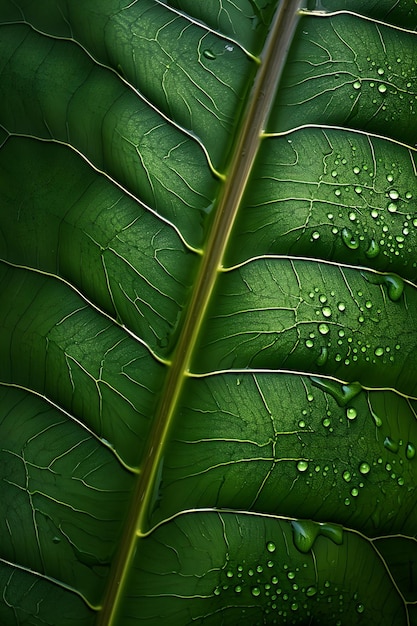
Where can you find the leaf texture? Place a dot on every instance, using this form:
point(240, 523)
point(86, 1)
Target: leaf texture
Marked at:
point(208, 336)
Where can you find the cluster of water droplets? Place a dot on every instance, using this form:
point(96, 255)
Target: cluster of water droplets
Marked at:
point(333, 340)
point(388, 87)
point(349, 477)
point(287, 592)
point(380, 222)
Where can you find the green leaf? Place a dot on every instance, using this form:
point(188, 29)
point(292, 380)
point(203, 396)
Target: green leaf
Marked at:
point(208, 340)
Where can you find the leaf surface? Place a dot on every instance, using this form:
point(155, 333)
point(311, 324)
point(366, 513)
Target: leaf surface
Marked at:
point(208, 312)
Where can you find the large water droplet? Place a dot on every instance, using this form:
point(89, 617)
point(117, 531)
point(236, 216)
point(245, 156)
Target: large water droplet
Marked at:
point(349, 240)
point(373, 250)
point(270, 546)
point(391, 445)
point(323, 356)
point(364, 468)
point(410, 451)
point(351, 413)
point(255, 591)
point(302, 466)
point(393, 283)
point(341, 393)
point(209, 55)
point(311, 591)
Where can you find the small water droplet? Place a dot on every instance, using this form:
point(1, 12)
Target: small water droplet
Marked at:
point(379, 351)
point(255, 591)
point(393, 194)
point(354, 492)
point(323, 329)
point(327, 312)
point(356, 84)
point(382, 88)
point(360, 608)
point(347, 476)
point(270, 546)
point(238, 589)
point(364, 468)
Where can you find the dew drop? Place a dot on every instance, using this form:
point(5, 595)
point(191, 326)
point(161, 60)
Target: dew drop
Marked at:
point(382, 88)
point(392, 207)
point(255, 591)
point(326, 310)
point(323, 356)
point(349, 239)
point(270, 546)
point(373, 250)
point(393, 194)
point(341, 306)
point(323, 329)
point(354, 492)
point(356, 84)
point(379, 351)
point(347, 476)
point(209, 55)
point(410, 451)
point(302, 466)
point(364, 468)
point(238, 589)
point(360, 608)
point(351, 413)
point(311, 591)
point(391, 445)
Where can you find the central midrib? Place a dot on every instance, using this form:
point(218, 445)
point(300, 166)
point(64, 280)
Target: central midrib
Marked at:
point(273, 58)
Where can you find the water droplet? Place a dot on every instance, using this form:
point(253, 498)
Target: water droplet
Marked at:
point(238, 589)
point(393, 284)
point(341, 393)
point(393, 194)
point(410, 451)
point(347, 476)
point(270, 546)
point(315, 235)
point(327, 312)
point(349, 240)
point(323, 356)
point(360, 608)
point(229, 574)
point(354, 492)
point(309, 343)
point(209, 55)
point(379, 351)
point(373, 250)
point(56, 539)
point(391, 445)
point(356, 84)
point(382, 88)
point(341, 306)
point(311, 591)
point(302, 466)
point(351, 413)
point(217, 591)
point(326, 422)
point(323, 329)
point(364, 468)
point(255, 591)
